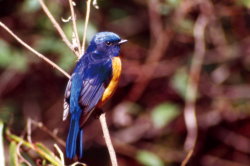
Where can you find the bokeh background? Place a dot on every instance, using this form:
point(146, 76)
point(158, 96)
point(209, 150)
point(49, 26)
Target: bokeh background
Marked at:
point(146, 114)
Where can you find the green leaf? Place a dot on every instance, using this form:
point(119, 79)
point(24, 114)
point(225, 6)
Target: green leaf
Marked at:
point(185, 26)
point(2, 161)
point(13, 154)
point(30, 6)
point(66, 58)
point(28, 158)
point(173, 3)
point(148, 158)
point(179, 81)
point(164, 113)
point(245, 3)
point(5, 54)
point(19, 62)
point(11, 57)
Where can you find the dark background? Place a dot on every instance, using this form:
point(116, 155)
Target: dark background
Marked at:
point(145, 116)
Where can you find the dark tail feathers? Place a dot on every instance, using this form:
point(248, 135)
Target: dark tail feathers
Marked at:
point(74, 141)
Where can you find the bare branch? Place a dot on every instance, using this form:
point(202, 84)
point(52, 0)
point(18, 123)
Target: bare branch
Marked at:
point(75, 28)
point(46, 130)
point(193, 80)
point(34, 51)
point(108, 140)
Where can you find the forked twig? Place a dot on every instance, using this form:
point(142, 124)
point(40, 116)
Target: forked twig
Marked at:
point(86, 25)
point(73, 18)
point(34, 51)
point(108, 140)
point(60, 153)
point(46, 130)
point(57, 26)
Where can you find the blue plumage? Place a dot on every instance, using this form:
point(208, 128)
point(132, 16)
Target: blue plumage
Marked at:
point(88, 82)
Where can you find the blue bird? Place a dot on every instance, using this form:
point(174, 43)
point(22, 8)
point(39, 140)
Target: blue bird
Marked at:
point(92, 83)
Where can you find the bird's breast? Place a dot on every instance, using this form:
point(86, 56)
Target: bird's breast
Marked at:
point(116, 73)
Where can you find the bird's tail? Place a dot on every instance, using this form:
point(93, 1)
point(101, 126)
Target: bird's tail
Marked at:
point(74, 143)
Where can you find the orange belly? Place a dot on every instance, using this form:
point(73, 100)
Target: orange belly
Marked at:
point(116, 73)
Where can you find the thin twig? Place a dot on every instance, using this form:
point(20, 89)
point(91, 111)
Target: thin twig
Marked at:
point(193, 80)
point(20, 155)
point(34, 51)
point(78, 164)
point(73, 16)
point(60, 154)
point(187, 158)
point(108, 140)
point(46, 130)
point(86, 25)
point(29, 130)
point(57, 26)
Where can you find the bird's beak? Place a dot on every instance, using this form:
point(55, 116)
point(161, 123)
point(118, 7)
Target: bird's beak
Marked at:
point(122, 41)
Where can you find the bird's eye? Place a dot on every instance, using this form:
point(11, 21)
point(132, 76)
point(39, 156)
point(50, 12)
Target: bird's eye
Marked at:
point(108, 43)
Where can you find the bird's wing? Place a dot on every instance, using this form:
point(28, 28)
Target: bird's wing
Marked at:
point(93, 87)
point(66, 100)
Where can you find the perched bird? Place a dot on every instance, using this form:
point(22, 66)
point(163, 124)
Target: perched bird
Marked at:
point(92, 83)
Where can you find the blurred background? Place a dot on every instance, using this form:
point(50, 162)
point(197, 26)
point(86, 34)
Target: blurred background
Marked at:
point(175, 46)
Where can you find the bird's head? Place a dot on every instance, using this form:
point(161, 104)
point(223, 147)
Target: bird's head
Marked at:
point(107, 43)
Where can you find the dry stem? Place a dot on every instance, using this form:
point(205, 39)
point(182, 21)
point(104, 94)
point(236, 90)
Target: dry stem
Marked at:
point(108, 140)
point(75, 28)
point(46, 130)
point(192, 86)
point(34, 51)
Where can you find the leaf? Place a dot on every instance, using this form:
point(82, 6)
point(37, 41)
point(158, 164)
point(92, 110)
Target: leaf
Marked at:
point(28, 158)
point(48, 154)
point(66, 59)
point(13, 154)
point(185, 26)
point(12, 57)
point(149, 159)
point(164, 113)
point(179, 81)
point(173, 3)
point(5, 54)
point(2, 161)
point(245, 3)
point(44, 152)
point(30, 6)
point(19, 62)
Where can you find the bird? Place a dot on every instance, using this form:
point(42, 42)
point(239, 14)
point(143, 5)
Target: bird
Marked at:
point(93, 81)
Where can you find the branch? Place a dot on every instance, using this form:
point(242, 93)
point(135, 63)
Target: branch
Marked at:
point(46, 130)
point(34, 51)
point(192, 85)
point(108, 140)
point(86, 25)
point(57, 26)
point(75, 27)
